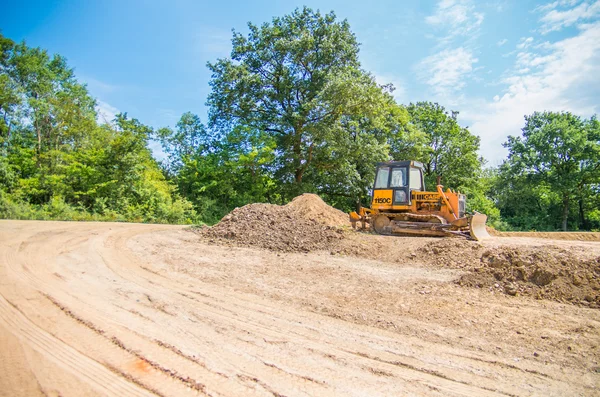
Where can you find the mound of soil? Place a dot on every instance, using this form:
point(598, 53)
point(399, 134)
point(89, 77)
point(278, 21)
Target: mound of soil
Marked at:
point(306, 224)
point(310, 206)
point(542, 272)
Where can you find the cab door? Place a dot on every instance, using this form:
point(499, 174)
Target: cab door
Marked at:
point(399, 185)
point(391, 188)
point(382, 194)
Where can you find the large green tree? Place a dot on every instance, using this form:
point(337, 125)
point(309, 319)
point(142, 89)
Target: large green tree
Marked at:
point(219, 172)
point(299, 80)
point(347, 170)
point(189, 137)
point(56, 161)
point(557, 161)
point(446, 149)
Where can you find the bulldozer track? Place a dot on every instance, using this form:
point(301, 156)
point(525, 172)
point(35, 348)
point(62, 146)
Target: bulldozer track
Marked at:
point(419, 217)
point(410, 224)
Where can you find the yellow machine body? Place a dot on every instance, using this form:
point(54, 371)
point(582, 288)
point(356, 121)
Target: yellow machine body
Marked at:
point(401, 205)
point(444, 204)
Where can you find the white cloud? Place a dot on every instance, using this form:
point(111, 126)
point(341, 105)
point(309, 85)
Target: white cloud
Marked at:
point(446, 71)
point(564, 77)
point(97, 86)
point(530, 60)
point(524, 42)
point(555, 4)
point(448, 11)
point(169, 116)
point(556, 17)
point(399, 90)
point(106, 112)
point(502, 42)
point(214, 42)
point(457, 17)
point(500, 6)
point(157, 150)
point(458, 24)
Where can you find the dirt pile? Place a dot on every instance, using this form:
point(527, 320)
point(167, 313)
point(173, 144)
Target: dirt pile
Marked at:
point(456, 253)
point(304, 225)
point(310, 206)
point(544, 272)
point(558, 271)
point(568, 275)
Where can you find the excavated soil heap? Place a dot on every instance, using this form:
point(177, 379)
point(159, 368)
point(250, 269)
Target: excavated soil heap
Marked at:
point(310, 206)
point(542, 272)
point(305, 224)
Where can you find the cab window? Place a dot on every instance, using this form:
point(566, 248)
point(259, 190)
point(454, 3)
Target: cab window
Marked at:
point(381, 181)
point(415, 179)
point(398, 177)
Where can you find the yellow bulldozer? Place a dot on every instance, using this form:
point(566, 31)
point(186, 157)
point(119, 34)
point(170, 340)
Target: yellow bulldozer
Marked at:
point(400, 205)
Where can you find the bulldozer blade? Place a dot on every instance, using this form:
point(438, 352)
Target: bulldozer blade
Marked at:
point(477, 227)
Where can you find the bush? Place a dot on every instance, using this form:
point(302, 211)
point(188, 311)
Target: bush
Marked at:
point(10, 209)
point(178, 212)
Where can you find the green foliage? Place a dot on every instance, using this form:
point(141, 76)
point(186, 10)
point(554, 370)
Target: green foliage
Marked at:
point(481, 198)
point(299, 81)
point(292, 111)
point(221, 174)
point(189, 138)
point(552, 168)
point(446, 149)
point(56, 162)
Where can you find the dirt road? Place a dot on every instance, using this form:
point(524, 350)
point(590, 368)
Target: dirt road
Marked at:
point(129, 309)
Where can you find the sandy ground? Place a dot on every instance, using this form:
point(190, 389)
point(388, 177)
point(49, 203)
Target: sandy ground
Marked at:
point(129, 309)
point(581, 236)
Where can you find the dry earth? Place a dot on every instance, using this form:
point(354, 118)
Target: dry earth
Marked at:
point(581, 236)
point(130, 309)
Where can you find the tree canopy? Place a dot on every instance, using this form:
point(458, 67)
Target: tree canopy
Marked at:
point(449, 152)
point(56, 161)
point(556, 163)
point(299, 80)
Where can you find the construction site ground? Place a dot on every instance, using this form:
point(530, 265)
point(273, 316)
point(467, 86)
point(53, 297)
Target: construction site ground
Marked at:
point(134, 309)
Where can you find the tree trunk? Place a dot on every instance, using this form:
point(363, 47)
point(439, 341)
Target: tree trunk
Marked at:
point(39, 139)
point(299, 171)
point(298, 175)
point(565, 214)
point(36, 124)
point(582, 221)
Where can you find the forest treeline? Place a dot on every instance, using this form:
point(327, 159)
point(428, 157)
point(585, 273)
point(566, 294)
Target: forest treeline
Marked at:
point(290, 111)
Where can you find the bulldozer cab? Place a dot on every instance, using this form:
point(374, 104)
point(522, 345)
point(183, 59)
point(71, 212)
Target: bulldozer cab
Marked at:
point(394, 182)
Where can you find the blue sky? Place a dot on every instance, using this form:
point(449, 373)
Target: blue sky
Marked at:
point(494, 61)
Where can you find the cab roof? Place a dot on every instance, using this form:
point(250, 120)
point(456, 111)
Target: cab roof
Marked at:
point(403, 163)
